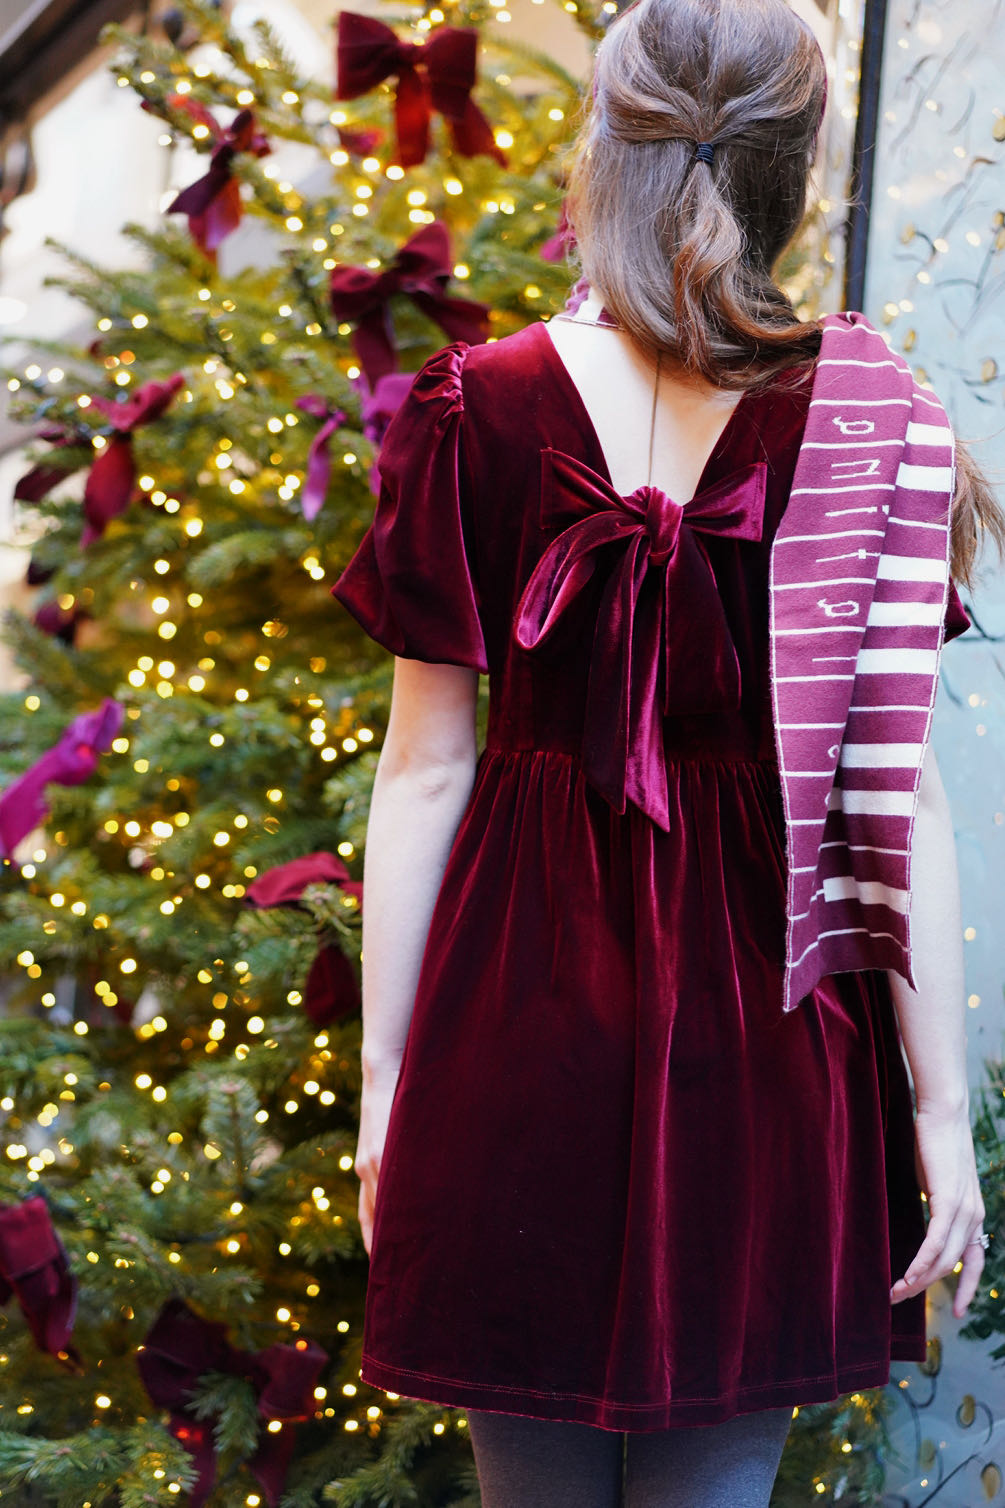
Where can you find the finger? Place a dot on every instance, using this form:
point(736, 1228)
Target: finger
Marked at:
point(923, 1272)
point(928, 1253)
point(960, 1231)
point(970, 1276)
point(365, 1219)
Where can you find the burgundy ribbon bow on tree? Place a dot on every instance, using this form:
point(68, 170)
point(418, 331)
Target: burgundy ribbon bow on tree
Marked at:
point(661, 640)
point(50, 617)
point(421, 270)
point(438, 74)
point(69, 762)
point(59, 622)
point(181, 1347)
point(44, 476)
point(193, 108)
point(332, 990)
point(359, 143)
point(315, 488)
point(109, 486)
point(34, 1266)
point(213, 202)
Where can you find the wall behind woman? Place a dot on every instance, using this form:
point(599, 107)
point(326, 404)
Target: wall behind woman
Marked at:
point(936, 284)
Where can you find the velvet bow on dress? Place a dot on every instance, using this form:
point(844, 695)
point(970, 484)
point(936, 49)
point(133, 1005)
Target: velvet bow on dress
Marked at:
point(661, 641)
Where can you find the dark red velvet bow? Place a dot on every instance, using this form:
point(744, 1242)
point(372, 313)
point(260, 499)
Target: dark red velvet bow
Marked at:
point(421, 270)
point(315, 488)
point(59, 622)
point(34, 1266)
point(436, 75)
point(359, 143)
point(38, 574)
point(109, 485)
point(332, 990)
point(69, 762)
point(213, 202)
point(661, 642)
point(286, 883)
point(181, 1347)
point(44, 476)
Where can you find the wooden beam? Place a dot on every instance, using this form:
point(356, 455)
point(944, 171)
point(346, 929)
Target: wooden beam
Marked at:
point(864, 157)
point(45, 41)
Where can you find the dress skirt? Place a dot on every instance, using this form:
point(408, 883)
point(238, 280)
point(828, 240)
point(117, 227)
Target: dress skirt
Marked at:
point(620, 1185)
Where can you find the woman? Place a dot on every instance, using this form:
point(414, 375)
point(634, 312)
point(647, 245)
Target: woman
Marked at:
point(637, 1152)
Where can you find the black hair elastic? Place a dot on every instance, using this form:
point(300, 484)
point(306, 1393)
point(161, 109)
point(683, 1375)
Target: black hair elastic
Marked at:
point(705, 152)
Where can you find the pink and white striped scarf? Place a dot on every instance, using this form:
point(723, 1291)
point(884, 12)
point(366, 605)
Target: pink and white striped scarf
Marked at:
point(859, 587)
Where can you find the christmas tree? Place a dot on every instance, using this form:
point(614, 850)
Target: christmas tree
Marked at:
point(187, 767)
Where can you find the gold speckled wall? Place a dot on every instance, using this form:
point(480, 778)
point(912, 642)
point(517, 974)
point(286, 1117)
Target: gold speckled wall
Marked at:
point(936, 285)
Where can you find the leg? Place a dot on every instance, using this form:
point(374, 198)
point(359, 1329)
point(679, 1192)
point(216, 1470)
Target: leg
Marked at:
point(728, 1465)
point(545, 1463)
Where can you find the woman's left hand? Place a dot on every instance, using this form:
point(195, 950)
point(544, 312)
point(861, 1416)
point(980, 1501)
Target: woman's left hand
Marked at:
point(374, 1114)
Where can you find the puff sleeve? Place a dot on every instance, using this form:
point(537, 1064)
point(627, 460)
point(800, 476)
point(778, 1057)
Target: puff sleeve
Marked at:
point(411, 583)
point(956, 621)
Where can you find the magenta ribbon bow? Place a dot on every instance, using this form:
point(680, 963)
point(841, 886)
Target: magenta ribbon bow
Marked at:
point(181, 1347)
point(109, 485)
point(661, 642)
point(558, 246)
point(34, 1266)
point(436, 75)
point(421, 270)
point(213, 202)
point(377, 408)
point(315, 488)
point(69, 762)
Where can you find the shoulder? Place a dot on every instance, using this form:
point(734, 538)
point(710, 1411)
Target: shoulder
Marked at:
point(513, 359)
point(439, 381)
point(451, 373)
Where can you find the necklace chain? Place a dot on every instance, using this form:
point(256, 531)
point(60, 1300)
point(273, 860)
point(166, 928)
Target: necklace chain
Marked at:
point(652, 421)
point(603, 324)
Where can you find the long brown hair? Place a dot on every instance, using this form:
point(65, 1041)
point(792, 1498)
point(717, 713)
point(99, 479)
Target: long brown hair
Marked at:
point(681, 245)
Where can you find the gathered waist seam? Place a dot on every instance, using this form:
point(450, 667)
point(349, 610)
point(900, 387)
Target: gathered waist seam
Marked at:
point(499, 752)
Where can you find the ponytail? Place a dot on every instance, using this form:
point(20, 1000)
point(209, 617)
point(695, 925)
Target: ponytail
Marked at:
point(682, 243)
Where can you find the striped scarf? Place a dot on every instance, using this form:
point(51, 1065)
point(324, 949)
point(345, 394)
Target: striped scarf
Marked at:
point(859, 587)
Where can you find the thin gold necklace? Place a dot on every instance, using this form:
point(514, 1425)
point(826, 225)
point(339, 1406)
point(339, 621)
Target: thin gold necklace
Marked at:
point(602, 324)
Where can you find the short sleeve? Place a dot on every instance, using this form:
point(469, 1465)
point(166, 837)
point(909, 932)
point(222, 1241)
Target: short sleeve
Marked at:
point(411, 583)
point(956, 621)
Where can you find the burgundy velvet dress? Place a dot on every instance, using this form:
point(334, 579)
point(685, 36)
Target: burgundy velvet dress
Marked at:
point(619, 1185)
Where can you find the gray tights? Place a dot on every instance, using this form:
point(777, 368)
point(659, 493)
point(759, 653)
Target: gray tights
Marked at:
point(544, 1463)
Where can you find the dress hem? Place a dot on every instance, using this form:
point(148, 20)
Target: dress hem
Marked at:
point(454, 1392)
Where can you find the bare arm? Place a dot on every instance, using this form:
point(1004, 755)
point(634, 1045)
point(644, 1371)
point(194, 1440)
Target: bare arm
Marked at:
point(932, 1018)
point(422, 785)
point(933, 1027)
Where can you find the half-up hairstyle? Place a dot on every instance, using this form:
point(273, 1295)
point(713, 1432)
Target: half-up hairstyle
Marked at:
point(682, 247)
point(689, 178)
